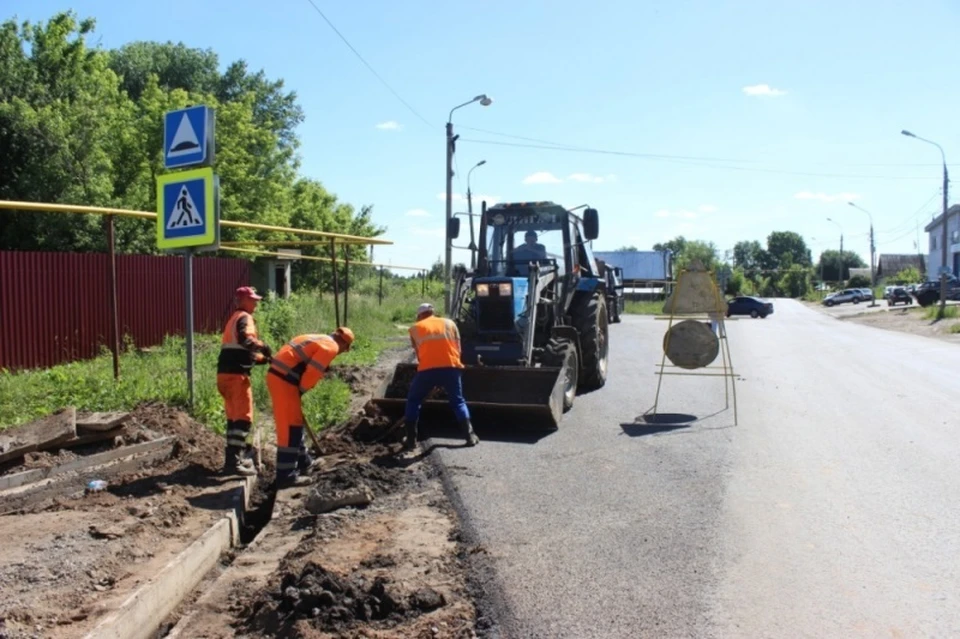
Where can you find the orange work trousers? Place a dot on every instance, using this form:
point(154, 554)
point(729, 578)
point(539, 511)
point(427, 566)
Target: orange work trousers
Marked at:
point(287, 409)
point(237, 396)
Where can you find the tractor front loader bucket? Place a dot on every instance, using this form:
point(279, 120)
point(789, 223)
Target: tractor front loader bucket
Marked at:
point(496, 395)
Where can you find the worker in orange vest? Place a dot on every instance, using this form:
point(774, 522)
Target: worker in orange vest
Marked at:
point(240, 351)
point(436, 341)
point(296, 368)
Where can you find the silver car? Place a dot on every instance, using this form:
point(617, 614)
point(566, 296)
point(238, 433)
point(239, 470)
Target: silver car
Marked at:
point(854, 295)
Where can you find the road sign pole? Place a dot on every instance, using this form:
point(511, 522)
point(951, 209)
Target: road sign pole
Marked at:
point(188, 304)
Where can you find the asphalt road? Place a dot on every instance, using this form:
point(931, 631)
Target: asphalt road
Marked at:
point(831, 510)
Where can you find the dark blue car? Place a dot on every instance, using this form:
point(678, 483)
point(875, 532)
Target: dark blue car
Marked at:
point(752, 306)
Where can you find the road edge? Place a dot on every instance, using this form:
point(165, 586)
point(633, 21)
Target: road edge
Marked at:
point(483, 584)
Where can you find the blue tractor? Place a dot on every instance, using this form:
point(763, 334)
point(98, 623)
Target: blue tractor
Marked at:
point(532, 317)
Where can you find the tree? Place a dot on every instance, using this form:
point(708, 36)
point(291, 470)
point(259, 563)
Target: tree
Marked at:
point(748, 255)
point(786, 248)
point(908, 275)
point(630, 248)
point(795, 282)
point(830, 264)
point(676, 245)
point(698, 251)
point(79, 124)
point(858, 281)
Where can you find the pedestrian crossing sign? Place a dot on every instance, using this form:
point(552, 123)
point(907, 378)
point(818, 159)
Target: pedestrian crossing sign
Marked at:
point(187, 211)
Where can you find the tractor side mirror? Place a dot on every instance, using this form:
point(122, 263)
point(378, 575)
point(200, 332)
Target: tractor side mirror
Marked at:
point(453, 228)
point(591, 224)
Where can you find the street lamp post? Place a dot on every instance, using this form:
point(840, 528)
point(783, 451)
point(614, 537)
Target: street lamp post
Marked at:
point(943, 249)
point(840, 262)
point(473, 244)
point(448, 249)
point(873, 275)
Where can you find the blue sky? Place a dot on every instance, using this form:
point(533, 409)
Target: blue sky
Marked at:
point(772, 115)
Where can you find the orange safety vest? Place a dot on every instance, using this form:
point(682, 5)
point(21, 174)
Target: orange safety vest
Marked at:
point(234, 356)
point(303, 360)
point(437, 342)
point(230, 337)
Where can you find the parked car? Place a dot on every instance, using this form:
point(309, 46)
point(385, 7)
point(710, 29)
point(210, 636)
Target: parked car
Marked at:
point(752, 306)
point(847, 295)
point(929, 292)
point(867, 293)
point(897, 295)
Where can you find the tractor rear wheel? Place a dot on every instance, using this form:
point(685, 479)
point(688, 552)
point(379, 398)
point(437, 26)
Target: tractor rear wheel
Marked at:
point(590, 319)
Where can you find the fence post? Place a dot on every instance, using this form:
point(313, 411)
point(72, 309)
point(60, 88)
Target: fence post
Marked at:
point(114, 319)
point(380, 293)
point(336, 282)
point(346, 283)
point(423, 282)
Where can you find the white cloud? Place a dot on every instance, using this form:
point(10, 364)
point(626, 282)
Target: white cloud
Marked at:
point(417, 213)
point(763, 90)
point(389, 125)
point(827, 197)
point(542, 177)
point(707, 208)
point(594, 179)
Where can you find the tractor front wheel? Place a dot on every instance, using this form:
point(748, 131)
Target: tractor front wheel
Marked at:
point(590, 320)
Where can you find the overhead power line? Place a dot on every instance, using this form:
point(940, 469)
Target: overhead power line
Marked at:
point(693, 161)
point(367, 64)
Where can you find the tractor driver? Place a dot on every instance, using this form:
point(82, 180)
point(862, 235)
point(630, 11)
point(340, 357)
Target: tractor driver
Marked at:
point(530, 250)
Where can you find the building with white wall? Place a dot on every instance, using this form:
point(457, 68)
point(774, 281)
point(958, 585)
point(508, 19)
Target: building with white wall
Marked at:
point(935, 238)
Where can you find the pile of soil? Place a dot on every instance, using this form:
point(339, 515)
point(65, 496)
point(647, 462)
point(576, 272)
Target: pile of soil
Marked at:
point(332, 603)
point(379, 477)
point(196, 444)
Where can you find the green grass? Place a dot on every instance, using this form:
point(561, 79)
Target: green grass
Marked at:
point(643, 308)
point(933, 312)
point(157, 374)
point(955, 328)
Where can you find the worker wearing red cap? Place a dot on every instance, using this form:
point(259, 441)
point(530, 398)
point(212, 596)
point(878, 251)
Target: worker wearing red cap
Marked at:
point(296, 368)
point(240, 351)
point(436, 342)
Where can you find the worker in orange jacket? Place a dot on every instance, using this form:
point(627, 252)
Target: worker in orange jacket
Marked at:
point(436, 341)
point(296, 368)
point(240, 351)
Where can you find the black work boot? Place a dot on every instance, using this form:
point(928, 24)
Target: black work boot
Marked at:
point(410, 442)
point(469, 437)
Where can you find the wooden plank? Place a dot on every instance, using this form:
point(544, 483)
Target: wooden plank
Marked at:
point(23, 496)
point(92, 438)
point(38, 474)
point(99, 422)
point(38, 435)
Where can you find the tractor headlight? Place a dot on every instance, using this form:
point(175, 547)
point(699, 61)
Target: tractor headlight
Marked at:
point(506, 288)
point(483, 290)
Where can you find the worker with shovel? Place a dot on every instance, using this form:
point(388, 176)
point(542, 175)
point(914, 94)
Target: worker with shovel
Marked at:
point(296, 368)
point(436, 341)
point(240, 351)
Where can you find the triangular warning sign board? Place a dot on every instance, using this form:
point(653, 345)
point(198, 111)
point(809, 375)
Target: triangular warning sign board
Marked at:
point(185, 214)
point(184, 140)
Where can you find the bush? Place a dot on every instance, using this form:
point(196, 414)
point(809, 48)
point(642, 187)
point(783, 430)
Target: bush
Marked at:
point(858, 281)
point(909, 275)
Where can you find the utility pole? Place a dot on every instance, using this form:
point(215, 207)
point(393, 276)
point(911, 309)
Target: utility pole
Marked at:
point(873, 276)
point(944, 255)
point(448, 246)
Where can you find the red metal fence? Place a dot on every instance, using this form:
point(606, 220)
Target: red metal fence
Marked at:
point(55, 307)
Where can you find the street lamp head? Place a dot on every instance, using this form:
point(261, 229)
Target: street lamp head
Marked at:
point(481, 162)
point(483, 100)
point(852, 204)
point(907, 133)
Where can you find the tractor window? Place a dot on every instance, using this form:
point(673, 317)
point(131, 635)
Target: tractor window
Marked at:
point(511, 248)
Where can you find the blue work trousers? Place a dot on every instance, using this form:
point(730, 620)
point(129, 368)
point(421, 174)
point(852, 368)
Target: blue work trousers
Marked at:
point(447, 378)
